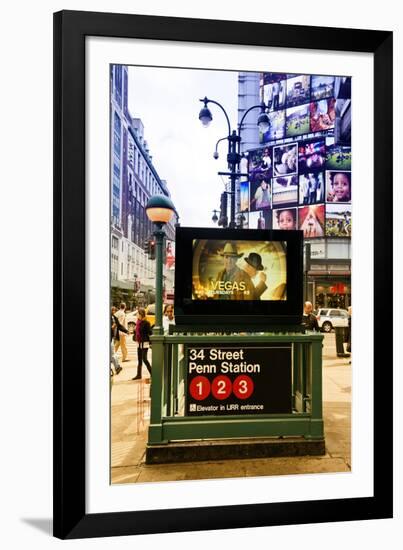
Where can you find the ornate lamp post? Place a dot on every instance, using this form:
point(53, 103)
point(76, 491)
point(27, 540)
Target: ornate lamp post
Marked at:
point(160, 210)
point(234, 143)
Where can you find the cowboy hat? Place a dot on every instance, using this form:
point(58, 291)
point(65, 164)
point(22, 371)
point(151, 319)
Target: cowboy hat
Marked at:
point(230, 250)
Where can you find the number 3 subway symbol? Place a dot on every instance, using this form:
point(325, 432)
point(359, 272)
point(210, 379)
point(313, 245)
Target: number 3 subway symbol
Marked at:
point(243, 386)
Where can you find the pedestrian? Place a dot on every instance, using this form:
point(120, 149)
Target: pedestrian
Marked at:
point(142, 337)
point(309, 321)
point(168, 318)
point(121, 340)
point(116, 330)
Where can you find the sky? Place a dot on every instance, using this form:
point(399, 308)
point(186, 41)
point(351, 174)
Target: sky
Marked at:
point(167, 102)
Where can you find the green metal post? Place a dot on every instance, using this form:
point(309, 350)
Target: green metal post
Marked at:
point(316, 431)
point(159, 239)
point(155, 430)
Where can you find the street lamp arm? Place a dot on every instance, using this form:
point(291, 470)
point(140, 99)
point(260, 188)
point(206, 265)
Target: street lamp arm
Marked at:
point(207, 100)
point(261, 106)
point(216, 145)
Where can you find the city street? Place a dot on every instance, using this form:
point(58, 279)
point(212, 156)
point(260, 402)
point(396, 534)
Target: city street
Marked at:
point(130, 406)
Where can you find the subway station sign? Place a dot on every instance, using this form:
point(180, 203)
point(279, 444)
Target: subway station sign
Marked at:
point(238, 380)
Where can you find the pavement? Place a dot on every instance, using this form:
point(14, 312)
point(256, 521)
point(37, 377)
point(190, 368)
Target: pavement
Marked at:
point(130, 413)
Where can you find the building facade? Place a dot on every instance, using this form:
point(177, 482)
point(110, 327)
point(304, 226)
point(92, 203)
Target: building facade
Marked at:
point(310, 117)
point(133, 181)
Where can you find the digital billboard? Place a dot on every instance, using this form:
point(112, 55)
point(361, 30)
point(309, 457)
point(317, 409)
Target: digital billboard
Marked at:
point(239, 270)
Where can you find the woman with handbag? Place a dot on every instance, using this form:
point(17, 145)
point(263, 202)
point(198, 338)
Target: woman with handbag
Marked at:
point(142, 337)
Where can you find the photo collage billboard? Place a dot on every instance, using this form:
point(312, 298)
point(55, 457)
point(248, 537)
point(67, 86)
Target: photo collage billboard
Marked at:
point(300, 178)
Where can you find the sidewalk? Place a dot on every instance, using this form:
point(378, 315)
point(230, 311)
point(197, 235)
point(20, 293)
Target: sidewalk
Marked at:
point(129, 424)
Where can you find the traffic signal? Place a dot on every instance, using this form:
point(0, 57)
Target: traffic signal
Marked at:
point(152, 250)
point(146, 246)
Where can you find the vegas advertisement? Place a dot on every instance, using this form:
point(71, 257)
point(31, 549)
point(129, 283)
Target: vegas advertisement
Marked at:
point(239, 270)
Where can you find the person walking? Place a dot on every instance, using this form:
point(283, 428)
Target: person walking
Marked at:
point(142, 337)
point(120, 341)
point(116, 330)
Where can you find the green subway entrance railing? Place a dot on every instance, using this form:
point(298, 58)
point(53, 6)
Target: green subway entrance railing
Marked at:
point(170, 419)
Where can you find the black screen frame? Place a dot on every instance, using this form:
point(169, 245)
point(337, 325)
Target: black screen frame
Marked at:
point(250, 313)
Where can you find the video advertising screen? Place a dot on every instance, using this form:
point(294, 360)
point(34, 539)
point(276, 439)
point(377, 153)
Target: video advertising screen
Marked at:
point(239, 270)
point(232, 276)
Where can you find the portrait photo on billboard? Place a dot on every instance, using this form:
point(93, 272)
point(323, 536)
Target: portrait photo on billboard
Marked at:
point(338, 157)
point(285, 191)
point(322, 87)
point(322, 114)
point(297, 120)
point(298, 89)
point(311, 220)
point(338, 220)
point(338, 186)
point(239, 270)
point(260, 193)
point(311, 155)
point(311, 188)
point(274, 90)
point(285, 218)
point(285, 159)
point(260, 164)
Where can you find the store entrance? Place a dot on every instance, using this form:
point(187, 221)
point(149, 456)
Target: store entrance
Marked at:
point(335, 295)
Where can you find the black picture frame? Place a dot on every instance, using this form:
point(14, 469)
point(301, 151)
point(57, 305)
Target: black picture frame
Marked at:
point(70, 517)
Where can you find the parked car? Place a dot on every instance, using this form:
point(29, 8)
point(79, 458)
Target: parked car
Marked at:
point(328, 318)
